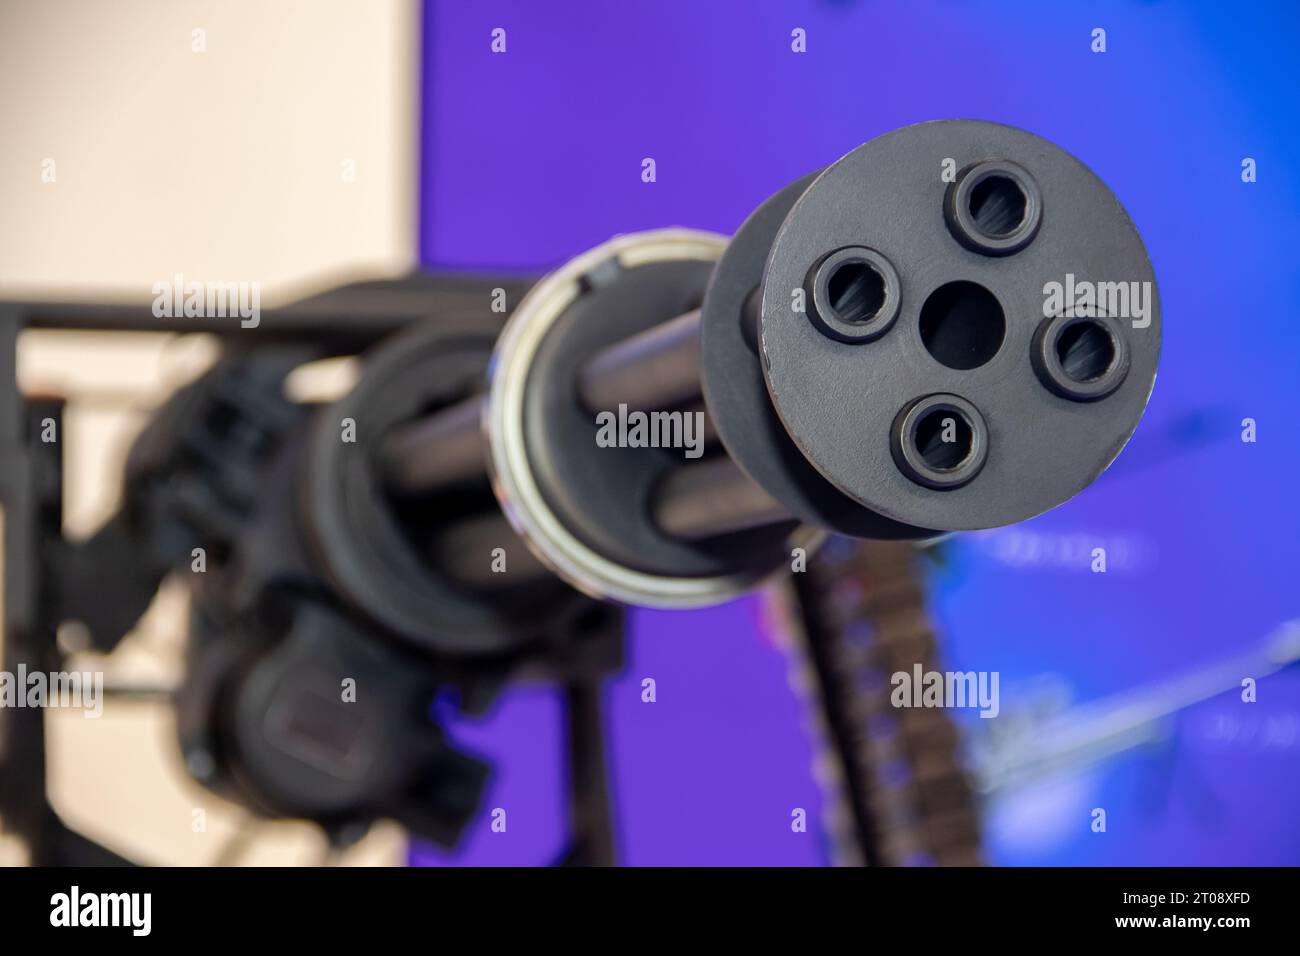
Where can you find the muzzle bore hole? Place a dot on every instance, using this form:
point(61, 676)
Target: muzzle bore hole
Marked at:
point(994, 208)
point(856, 290)
point(944, 439)
point(962, 325)
point(1086, 351)
point(940, 441)
point(997, 205)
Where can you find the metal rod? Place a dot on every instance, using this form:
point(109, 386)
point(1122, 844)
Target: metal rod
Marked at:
point(438, 451)
point(465, 547)
point(657, 369)
point(695, 502)
point(589, 810)
point(712, 498)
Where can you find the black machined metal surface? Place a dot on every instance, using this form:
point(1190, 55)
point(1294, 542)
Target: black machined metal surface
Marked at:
point(910, 451)
point(712, 498)
point(841, 401)
point(372, 553)
point(660, 368)
point(737, 396)
point(604, 495)
point(454, 546)
point(655, 369)
point(436, 451)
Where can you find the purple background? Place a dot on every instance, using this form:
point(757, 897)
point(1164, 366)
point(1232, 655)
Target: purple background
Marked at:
point(533, 156)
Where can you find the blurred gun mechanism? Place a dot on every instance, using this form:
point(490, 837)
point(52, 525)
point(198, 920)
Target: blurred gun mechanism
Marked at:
point(870, 356)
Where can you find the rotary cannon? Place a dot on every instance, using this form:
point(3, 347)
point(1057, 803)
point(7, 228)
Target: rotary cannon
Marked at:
point(873, 354)
point(884, 350)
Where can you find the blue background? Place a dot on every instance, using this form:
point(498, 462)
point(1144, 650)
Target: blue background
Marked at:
point(533, 156)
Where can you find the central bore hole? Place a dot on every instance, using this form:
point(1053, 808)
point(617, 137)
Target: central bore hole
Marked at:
point(944, 438)
point(856, 291)
point(1086, 351)
point(962, 325)
point(997, 204)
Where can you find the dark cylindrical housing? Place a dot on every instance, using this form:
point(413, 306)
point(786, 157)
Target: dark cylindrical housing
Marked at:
point(656, 369)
